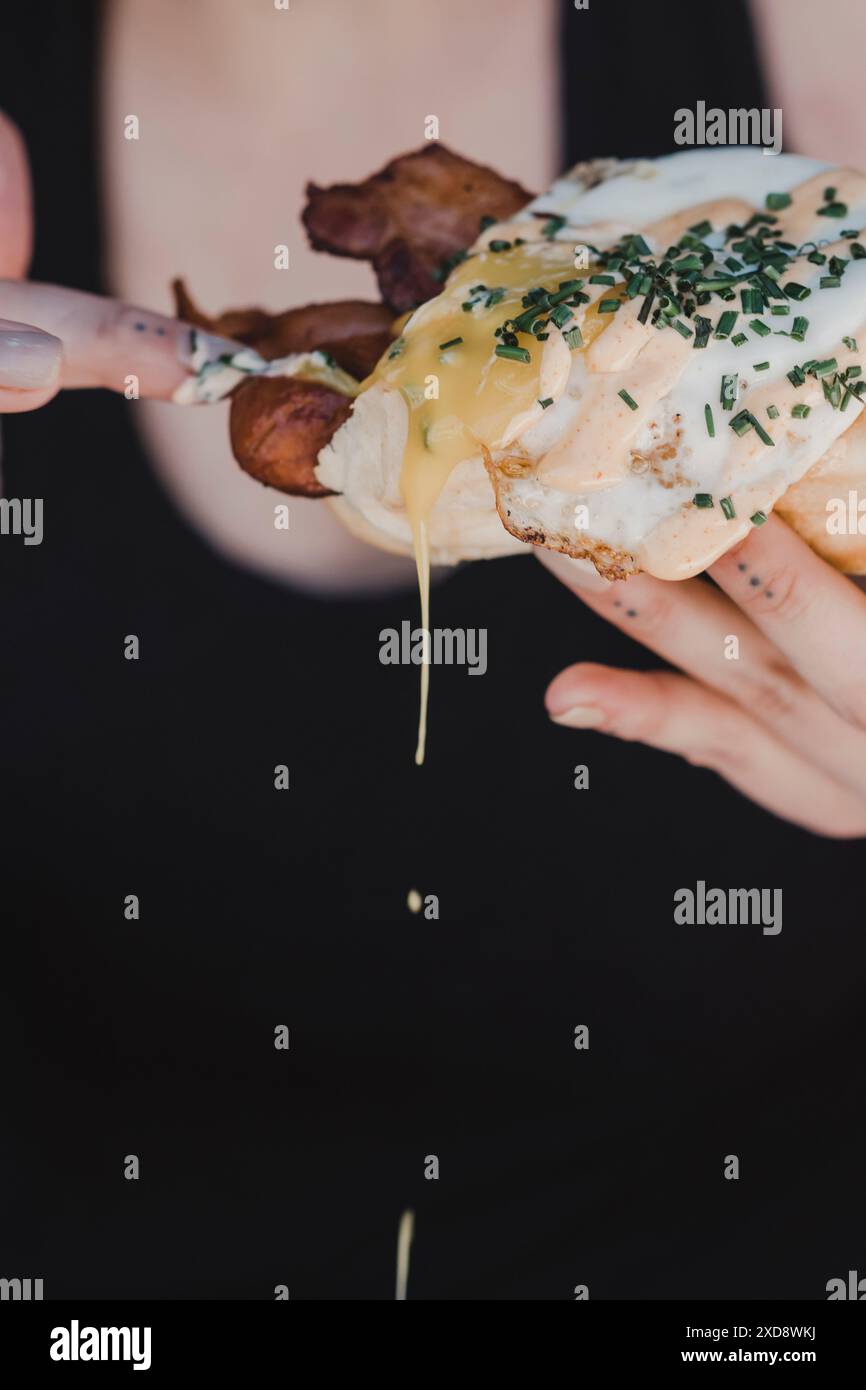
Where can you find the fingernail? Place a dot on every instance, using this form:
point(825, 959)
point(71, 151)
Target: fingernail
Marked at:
point(579, 717)
point(29, 359)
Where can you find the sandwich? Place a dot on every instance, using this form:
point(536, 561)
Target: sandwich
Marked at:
point(633, 368)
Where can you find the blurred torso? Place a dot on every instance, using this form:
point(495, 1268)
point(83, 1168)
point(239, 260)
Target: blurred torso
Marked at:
point(238, 107)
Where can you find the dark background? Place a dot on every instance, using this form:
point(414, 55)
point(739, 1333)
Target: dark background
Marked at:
point(258, 908)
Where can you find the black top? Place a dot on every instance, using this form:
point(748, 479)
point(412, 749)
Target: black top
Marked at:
point(409, 1037)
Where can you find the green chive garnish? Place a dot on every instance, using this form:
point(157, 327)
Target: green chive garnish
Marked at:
point(760, 328)
point(514, 354)
point(739, 338)
point(773, 412)
point(608, 306)
point(829, 282)
point(850, 343)
point(833, 210)
point(711, 427)
point(727, 507)
point(574, 338)
point(624, 396)
point(499, 245)
point(452, 342)
point(548, 400)
point(703, 499)
point(555, 225)
point(760, 366)
point(758, 518)
point(776, 201)
point(795, 291)
point(800, 412)
point(726, 323)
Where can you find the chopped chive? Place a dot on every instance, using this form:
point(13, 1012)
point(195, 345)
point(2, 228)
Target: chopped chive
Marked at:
point(752, 301)
point(742, 422)
point(796, 291)
point(548, 400)
point(574, 338)
point(832, 209)
point(486, 221)
point(760, 366)
point(624, 396)
point(452, 342)
point(602, 280)
point(711, 426)
point(702, 229)
point(798, 328)
point(817, 258)
point(703, 328)
point(800, 411)
point(681, 328)
point(829, 282)
point(828, 365)
point(717, 284)
point(703, 499)
point(561, 314)
point(726, 323)
point(396, 348)
point(776, 201)
point(758, 518)
point(554, 225)
point(514, 354)
point(762, 433)
point(607, 306)
point(773, 412)
point(857, 251)
point(760, 328)
point(739, 338)
point(498, 245)
point(780, 309)
point(727, 507)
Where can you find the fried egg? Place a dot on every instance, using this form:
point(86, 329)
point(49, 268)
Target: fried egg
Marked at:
point(635, 369)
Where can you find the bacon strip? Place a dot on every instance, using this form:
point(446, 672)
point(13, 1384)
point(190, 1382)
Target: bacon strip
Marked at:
point(277, 425)
point(409, 218)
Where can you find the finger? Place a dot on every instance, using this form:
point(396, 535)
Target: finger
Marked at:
point(677, 715)
point(108, 343)
point(29, 366)
point(16, 216)
point(697, 628)
point(812, 613)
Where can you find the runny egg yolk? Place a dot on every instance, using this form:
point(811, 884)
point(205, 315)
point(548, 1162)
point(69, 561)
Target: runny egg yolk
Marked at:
point(463, 396)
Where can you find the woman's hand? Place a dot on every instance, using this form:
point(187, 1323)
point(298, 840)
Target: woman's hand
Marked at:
point(52, 338)
point(780, 713)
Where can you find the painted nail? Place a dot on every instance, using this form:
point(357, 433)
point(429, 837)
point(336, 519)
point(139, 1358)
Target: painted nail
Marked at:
point(579, 717)
point(29, 359)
